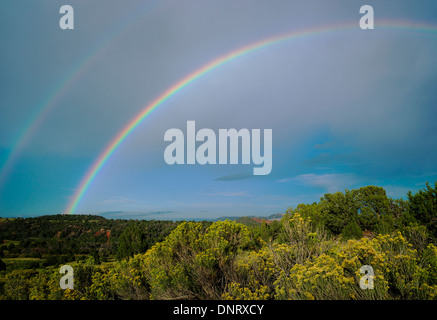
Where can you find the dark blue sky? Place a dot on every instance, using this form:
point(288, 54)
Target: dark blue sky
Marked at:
point(348, 108)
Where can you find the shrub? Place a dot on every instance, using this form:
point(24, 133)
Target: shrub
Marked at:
point(352, 231)
point(423, 206)
point(193, 263)
point(307, 240)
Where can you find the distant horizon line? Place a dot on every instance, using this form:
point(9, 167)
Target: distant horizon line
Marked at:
point(100, 214)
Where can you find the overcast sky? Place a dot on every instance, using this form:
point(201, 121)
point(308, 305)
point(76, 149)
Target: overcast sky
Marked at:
point(348, 108)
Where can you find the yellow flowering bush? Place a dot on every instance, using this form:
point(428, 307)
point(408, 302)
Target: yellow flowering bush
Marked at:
point(255, 291)
point(193, 262)
point(399, 272)
point(306, 238)
point(255, 272)
point(321, 279)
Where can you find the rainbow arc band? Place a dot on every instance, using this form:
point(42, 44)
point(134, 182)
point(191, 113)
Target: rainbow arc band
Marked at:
point(66, 83)
point(218, 62)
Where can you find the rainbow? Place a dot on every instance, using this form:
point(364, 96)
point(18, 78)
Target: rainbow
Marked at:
point(62, 86)
point(207, 68)
point(43, 112)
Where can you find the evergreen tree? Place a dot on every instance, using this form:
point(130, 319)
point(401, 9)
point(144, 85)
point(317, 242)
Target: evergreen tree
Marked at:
point(132, 241)
point(423, 207)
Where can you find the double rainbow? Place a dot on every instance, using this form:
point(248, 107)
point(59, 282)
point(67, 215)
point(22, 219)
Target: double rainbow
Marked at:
point(197, 74)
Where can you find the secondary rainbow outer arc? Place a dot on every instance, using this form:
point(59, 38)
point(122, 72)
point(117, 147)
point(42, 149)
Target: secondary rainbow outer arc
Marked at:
point(67, 82)
point(122, 135)
point(42, 114)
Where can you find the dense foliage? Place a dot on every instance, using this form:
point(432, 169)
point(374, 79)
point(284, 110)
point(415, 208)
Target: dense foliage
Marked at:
point(61, 238)
point(314, 252)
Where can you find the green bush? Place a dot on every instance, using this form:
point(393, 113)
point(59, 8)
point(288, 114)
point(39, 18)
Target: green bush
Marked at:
point(352, 231)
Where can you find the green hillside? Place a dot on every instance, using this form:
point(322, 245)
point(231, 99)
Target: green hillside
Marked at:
point(315, 251)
